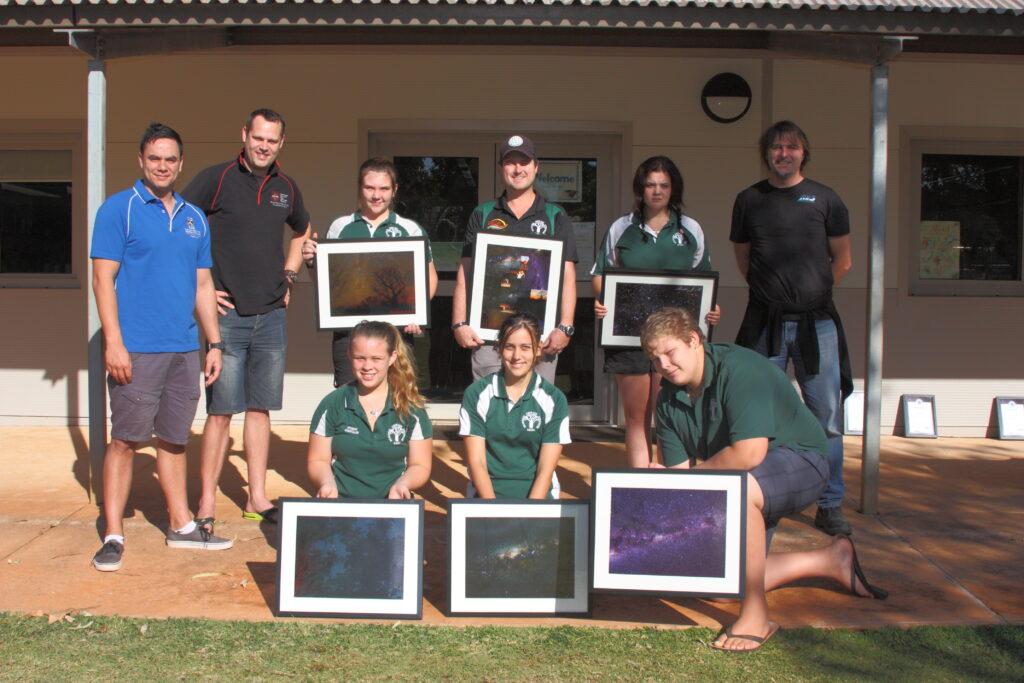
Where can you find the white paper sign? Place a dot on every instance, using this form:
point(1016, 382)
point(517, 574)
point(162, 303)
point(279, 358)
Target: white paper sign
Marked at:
point(920, 420)
point(1011, 415)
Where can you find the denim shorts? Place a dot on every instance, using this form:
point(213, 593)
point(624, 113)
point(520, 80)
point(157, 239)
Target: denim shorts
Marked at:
point(160, 400)
point(253, 373)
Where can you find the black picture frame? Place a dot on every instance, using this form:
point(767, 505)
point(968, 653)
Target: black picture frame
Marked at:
point(518, 557)
point(630, 295)
point(638, 546)
point(385, 279)
point(329, 558)
point(515, 274)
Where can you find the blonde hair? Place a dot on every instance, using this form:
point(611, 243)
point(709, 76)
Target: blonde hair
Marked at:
point(668, 322)
point(402, 373)
point(516, 322)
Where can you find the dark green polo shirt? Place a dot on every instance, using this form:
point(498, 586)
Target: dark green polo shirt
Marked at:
point(366, 463)
point(514, 431)
point(533, 223)
point(745, 396)
point(629, 243)
point(355, 227)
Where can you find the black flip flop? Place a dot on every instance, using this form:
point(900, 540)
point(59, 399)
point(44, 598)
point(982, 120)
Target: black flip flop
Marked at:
point(773, 628)
point(857, 574)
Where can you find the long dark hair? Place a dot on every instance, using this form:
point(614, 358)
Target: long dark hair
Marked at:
point(653, 165)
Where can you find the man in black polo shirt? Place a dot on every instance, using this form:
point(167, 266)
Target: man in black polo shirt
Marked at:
point(248, 202)
point(791, 236)
point(518, 211)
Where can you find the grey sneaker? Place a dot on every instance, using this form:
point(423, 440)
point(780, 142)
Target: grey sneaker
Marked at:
point(108, 558)
point(832, 521)
point(198, 538)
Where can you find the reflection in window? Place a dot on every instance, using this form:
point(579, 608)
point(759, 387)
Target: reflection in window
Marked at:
point(971, 217)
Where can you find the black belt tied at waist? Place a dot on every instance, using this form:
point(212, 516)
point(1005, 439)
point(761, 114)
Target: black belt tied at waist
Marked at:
point(768, 316)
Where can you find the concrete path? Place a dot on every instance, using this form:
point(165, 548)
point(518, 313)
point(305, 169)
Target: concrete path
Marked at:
point(948, 543)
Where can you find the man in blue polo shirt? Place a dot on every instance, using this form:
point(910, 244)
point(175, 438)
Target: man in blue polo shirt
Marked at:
point(151, 269)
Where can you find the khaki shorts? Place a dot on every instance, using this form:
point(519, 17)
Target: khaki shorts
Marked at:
point(160, 400)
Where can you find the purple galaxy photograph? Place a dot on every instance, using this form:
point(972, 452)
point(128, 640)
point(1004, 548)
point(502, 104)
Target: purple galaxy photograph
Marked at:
point(667, 532)
point(349, 557)
point(634, 301)
point(515, 281)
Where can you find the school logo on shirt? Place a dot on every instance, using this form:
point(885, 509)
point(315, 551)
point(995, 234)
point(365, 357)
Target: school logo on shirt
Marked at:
point(496, 224)
point(678, 238)
point(279, 199)
point(396, 434)
point(531, 421)
point(809, 198)
point(351, 430)
point(539, 227)
point(393, 231)
point(190, 228)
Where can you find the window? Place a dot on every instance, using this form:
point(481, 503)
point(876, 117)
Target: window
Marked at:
point(967, 236)
point(36, 215)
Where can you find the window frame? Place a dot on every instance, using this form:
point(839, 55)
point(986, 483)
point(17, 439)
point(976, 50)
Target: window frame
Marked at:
point(917, 143)
point(19, 136)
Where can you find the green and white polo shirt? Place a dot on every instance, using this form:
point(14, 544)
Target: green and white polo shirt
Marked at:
point(745, 396)
point(366, 462)
point(355, 227)
point(630, 243)
point(514, 431)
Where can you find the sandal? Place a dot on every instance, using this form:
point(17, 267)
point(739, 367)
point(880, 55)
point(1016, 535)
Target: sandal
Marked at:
point(857, 574)
point(773, 628)
point(269, 515)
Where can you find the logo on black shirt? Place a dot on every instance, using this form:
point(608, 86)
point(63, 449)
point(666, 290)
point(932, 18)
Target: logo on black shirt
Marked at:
point(809, 198)
point(496, 224)
point(279, 199)
point(539, 227)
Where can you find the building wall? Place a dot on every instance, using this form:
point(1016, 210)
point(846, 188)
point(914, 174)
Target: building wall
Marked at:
point(651, 96)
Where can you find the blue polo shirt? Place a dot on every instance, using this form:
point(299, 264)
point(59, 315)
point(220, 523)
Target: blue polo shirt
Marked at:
point(159, 255)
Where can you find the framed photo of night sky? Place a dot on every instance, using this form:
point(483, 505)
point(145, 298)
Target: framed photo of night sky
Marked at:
point(518, 557)
point(514, 274)
point(350, 558)
point(632, 295)
point(668, 532)
point(384, 280)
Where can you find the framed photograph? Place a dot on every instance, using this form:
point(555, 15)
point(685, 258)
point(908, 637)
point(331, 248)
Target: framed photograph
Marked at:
point(350, 558)
point(359, 280)
point(518, 557)
point(919, 417)
point(1010, 417)
point(669, 532)
point(853, 414)
point(514, 274)
point(632, 295)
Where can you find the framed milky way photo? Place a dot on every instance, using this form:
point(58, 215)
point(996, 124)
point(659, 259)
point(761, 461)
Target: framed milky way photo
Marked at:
point(632, 295)
point(384, 280)
point(668, 532)
point(518, 557)
point(513, 274)
point(350, 558)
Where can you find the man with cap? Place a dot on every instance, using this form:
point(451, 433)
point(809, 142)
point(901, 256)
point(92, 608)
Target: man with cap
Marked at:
point(518, 211)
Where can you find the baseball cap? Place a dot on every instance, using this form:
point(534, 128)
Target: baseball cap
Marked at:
point(517, 143)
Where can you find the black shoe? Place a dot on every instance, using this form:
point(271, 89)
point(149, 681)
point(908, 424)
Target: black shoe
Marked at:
point(108, 558)
point(832, 521)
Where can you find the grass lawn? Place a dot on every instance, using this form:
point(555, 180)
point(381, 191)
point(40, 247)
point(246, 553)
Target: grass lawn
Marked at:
point(113, 648)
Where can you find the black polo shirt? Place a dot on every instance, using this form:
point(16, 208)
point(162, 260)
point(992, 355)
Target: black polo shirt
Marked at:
point(247, 215)
point(533, 223)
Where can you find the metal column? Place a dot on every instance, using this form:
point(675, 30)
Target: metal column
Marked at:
point(96, 170)
point(876, 290)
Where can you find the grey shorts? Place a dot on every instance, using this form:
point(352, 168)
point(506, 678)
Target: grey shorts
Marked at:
point(790, 481)
point(487, 361)
point(160, 400)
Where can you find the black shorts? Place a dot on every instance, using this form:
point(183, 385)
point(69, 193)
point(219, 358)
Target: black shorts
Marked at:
point(627, 362)
point(790, 481)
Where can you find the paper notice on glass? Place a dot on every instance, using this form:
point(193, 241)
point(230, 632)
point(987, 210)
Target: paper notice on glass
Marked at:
point(1011, 417)
point(920, 417)
point(584, 248)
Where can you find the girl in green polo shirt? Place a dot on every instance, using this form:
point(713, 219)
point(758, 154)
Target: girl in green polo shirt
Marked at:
point(514, 422)
point(371, 438)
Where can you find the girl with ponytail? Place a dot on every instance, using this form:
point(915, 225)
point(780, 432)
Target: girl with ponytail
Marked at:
point(371, 438)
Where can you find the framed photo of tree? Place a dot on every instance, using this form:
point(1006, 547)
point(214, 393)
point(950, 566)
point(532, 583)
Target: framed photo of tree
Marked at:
point(384, 280)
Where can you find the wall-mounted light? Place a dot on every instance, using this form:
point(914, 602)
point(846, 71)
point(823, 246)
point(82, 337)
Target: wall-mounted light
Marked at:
point(725, 98)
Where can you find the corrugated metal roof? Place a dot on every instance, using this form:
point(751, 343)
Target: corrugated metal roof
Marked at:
point(963, 6)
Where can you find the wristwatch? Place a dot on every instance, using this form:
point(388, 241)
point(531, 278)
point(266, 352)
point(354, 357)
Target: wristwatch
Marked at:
point(567, 330)
point(458, 325)
point(291, 276)
point(220, 346)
